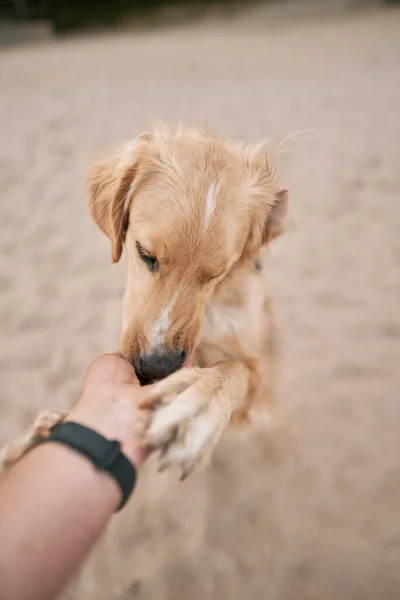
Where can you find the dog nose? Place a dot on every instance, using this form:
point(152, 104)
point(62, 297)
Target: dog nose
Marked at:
point(158, 365)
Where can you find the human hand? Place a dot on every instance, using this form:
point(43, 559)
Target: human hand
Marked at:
point(109, 404)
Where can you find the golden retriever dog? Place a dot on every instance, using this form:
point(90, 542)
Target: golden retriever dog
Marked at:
point(192, 213)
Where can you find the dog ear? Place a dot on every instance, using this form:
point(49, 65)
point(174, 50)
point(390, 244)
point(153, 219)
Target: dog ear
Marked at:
point(276, 219)
point(111, 188)
point(269, 217)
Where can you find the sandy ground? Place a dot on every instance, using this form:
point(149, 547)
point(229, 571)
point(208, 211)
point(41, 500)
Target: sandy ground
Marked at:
point(310, 509)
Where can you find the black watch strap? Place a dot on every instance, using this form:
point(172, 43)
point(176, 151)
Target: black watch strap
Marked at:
point(105, 454)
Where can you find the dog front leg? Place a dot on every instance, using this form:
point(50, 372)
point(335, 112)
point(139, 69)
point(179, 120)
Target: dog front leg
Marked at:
point(16, 449)
point(192, 408)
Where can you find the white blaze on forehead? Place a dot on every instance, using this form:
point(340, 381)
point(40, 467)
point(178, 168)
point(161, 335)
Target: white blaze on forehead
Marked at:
point(161, 326)
point(210, 205)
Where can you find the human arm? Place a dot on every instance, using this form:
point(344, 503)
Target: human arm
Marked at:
point(53, 503)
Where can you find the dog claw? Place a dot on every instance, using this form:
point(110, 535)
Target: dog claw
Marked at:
point(187, 469)
point(184, 475)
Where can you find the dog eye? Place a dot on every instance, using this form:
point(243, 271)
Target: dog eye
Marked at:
point(151, 261)
point(208, 277)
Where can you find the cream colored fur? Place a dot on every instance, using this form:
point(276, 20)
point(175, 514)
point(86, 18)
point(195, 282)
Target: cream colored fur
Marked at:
point(204, 208)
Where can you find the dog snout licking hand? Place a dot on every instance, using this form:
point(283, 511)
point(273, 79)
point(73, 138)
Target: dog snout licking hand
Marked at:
point(158, 365)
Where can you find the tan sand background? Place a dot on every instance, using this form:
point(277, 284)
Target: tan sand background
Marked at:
point(311, 509)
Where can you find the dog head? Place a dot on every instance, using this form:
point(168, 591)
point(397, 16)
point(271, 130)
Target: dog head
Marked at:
point(187, 207)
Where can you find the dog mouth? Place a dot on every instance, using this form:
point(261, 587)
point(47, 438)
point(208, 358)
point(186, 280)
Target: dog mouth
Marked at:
point(143, 380)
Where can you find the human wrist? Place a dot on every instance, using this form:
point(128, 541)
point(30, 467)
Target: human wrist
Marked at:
point(80, 472)
point(109, 404)
point(104, 454)
point(108, 428)
point(115, 421)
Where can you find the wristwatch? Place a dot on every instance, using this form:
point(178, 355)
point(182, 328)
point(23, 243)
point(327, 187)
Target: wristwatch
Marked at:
point(106, 455)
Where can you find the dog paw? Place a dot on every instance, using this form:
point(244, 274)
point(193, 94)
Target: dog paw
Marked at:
point(189, 417)
point(16, 449)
